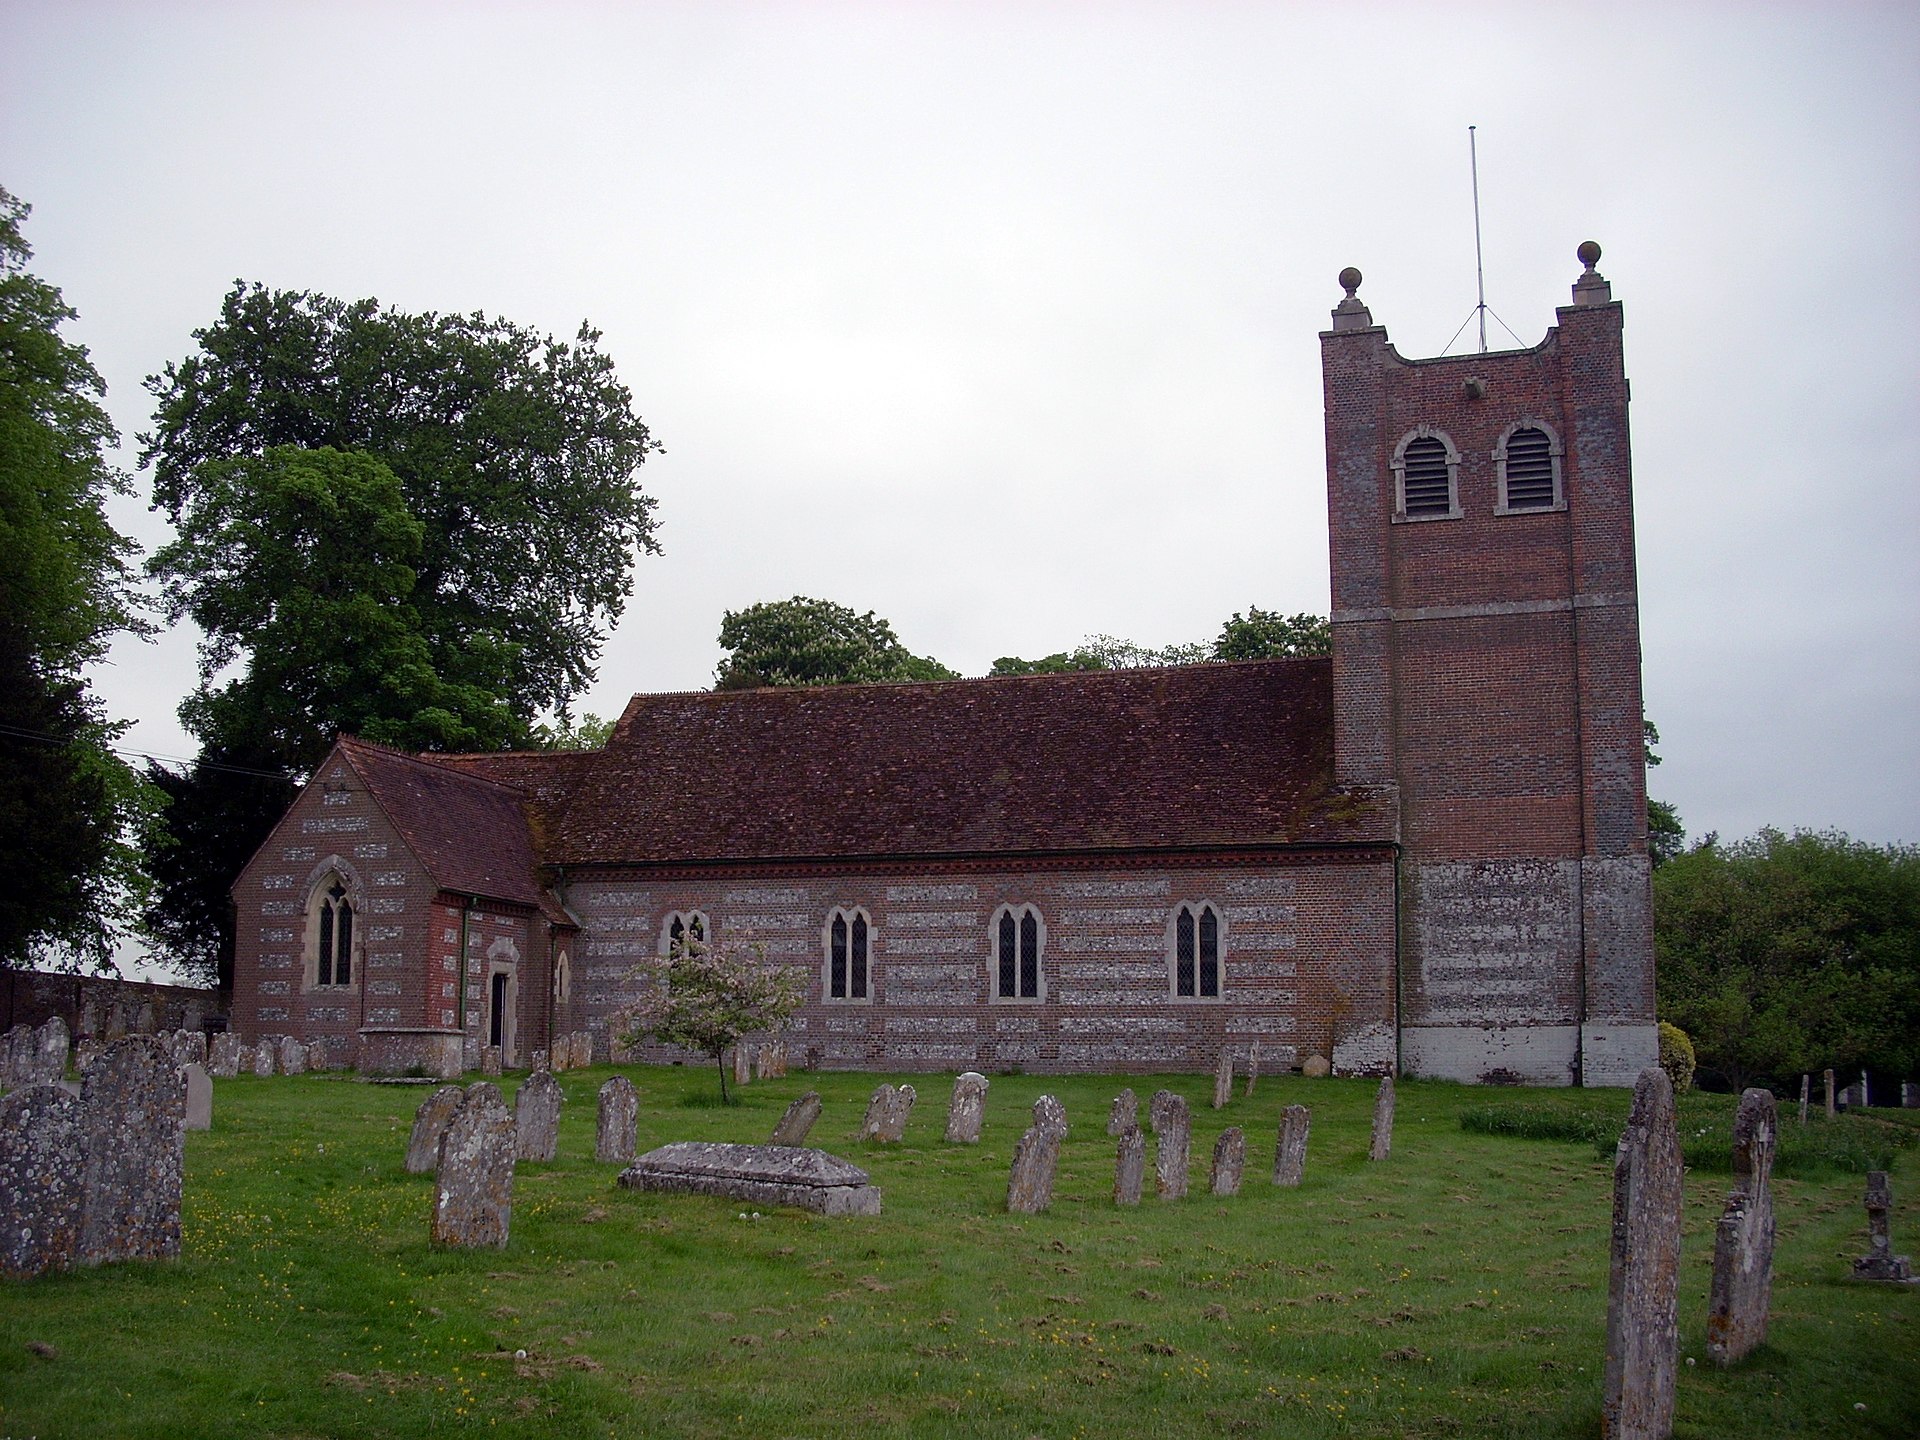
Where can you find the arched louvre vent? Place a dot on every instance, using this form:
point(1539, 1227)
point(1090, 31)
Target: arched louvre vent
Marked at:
point(1429, 490)
point(1529, 470)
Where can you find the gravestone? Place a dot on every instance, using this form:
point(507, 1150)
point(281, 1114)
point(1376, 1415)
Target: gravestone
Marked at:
point(192, 1049)
point(878, 1106)
point(536, 1117)
point(199, 1096)
point(293, 1056)
point(1806, 1084)
point(1909, 1095)
point(115, 1026)
point(1382, 1144)
point(50, 1046)
point(1643, 1279)
point(1743, 1241)
point(1030, 1180)
point(223, 1056)
point(1172, 1135)
point(266, 1056)
point(795, 1125)
point(759, 1174)
point(1290, 1153)
point(490, 1061)
point(1315, 1067)
point(1130, 1166)
point(742, 1063)
point(146, 1020)
point(84, 1049)
point(1880, 1263)
point(429, 1124)
point(541, 1062)
point(42, 1197)
point(1125, 1114)
point(1253, 1071)
point(582, 1049)
point(967, 1109)
point(473, 1183)
point(893, 1127)
point(1229, 1161)
point(1854, 1097)
point(1831, 1111)
point(1223, 1079)
point(1048, 1111)
point(616, 1131)
point(132, 1114)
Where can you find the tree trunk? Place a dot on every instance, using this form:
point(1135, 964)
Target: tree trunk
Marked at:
point(720, 1064)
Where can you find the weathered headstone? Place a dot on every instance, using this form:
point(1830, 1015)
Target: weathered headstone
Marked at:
point(266, 1056)
point(293, 1056)
point(1172, 1136)
point(50, 1046)
point(1030, 1180)
point(1125, 1114)
point(199, 1096)
point(192, 1048)
point(1806, 1084)
point(1290, 1153)
point(541, 1061)
point(1130, 1166)
point(491, 1061)
point(893, 1126)
point(582, 1049)
point(1880, 1263)
point(146, 1020)
point(1315, 1067)
point(742, 1063)
point(1831, 1108)
point(429, 1124)
point(243, 1058)
point(760, 1174)
point(1229, 1161)
point(114, 1026)
point(878, 1105)
point(42, 1197)
point(1743, 1241)
point(1223, 1079)
point(1382, 1144)
point(616, 1131)
point(223, 1056)
point(967, 1109)
point(132, 1117)
point(84, 1050)
point(795, 1125)
point(1048, 1111)
point(1643, 1283)
point(1253, 1071)
point(473, 1183)
point(536, 1117)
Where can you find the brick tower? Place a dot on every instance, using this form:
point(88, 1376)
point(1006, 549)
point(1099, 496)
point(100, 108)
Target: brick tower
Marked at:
point(1486, 652)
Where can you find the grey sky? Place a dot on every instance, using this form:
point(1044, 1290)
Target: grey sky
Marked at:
point(1000, 320)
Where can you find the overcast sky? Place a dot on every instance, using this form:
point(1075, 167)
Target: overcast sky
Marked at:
point(1000, 320)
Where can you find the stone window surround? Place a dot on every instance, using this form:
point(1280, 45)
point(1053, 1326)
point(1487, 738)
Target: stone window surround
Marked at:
point(330, 868)
point(848, 913)
point(1195, 907)
point(562, 977)
point(1554, 449)
point(1019, 912)
point(1399, 467)
point(690, 920)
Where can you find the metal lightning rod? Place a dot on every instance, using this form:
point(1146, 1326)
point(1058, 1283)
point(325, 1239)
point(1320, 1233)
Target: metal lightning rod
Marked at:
point(1479, 265)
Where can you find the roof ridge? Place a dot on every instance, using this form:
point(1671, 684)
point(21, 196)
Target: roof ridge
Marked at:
point(428, 759)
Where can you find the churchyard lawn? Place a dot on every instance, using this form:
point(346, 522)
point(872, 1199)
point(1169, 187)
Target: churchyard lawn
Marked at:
point(1456, 1289)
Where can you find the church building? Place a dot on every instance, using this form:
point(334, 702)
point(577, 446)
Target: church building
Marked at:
point(1424, 855)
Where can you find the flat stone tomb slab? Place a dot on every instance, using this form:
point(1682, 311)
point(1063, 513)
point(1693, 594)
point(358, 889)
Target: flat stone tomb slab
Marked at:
point(764, 1174)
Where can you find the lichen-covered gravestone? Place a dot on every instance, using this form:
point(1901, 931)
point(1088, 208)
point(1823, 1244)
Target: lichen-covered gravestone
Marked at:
point(473, 1184)
point(798, 1122)
point(1048, 1111)
point(42, 1197)
point(967, 1109)
point(1382, 1143)
point(132, 1122)
point(617, 1131)
point(223, 1056)
point(429, 1124)
point(536, 1117)
point(50, 1046)
point(199, 1096)
point(1129, 1166)
point(1223, 1079)
point(1173, 1136)
point(266, 1056)
point(1643, 1282)
point(887, 1112)
point(1880, 1263)
point(1290, 1153)
point(1315, 1066)
point(1125, 1114)
point(1253, 1071)
point(1229, 1161)
point(1743, 1242)
point(878, 1106)
point(742, 1063)
point(293, 1056)
point(1030, 1179)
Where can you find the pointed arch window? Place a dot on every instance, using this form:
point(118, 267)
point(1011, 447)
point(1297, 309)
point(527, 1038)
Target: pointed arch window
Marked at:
point(681, 926)
point(1197, 954)
point(1019, 938)
point(849, 949)
point(330, 933)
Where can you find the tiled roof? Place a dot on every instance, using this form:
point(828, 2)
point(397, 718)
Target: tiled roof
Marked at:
point(1192, 756)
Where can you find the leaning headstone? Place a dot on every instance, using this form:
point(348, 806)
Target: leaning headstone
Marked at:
point(1125, 1114)
point(1290, 1153)
point(878, 1106)
point(293, 1056)
point(132, 1113)
point(893, 1125)
point(266, 1056)
point(1130, 1166)
point(1806, 1084)
point(1382, 1143)
point(473, 1183)
point(223, 1056)
point(1880, 1263)
point(1831, 1109)
point(1030, 1180)
point(967, 1109)
point(1048, 1111)
point(536, 1117)
point(798, 1121)
point(1253, 1071)
point(42, 1198)
point(1223, 1079)
point(1229, 1161)
point(1743, 1241)
point(1315, 1067)
point(616, 1132)
point(1173, 1134)
point(429, 1124)
point(199, 1113)
point(1643, 1282)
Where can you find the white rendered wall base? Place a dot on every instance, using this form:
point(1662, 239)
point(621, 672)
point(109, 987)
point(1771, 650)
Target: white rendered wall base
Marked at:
point(1513, 1054)
point(1616, 1054)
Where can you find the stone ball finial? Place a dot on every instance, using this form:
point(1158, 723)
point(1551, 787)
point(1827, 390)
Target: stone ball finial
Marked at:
point(1589, 253)
point(1350, 279)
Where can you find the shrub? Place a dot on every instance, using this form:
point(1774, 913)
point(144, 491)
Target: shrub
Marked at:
point(1676, 1057)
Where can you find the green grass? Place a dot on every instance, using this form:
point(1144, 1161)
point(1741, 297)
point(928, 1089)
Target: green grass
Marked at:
point(1457, 1289)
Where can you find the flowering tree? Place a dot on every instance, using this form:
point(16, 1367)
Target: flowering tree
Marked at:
point(712, 994)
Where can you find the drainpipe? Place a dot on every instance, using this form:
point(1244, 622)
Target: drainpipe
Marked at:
point(1398, 1013)
point(460, 1015)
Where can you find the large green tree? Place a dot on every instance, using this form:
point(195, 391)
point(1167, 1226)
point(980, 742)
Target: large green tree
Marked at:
point(1784, 954)
point(66, 587)
point(814, 642)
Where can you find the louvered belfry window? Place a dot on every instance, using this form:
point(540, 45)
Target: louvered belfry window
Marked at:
point(1529, 470)
point(1427, 478)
